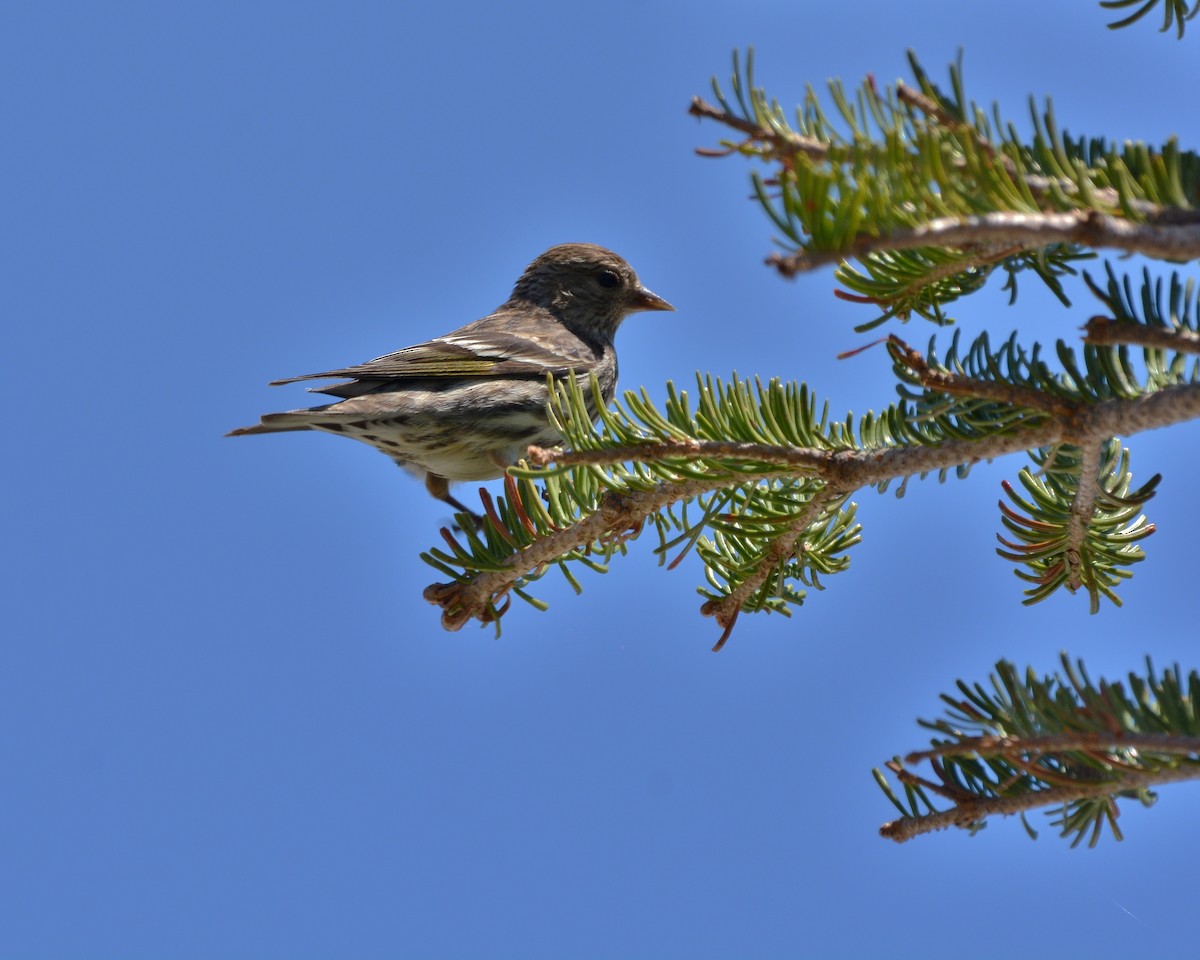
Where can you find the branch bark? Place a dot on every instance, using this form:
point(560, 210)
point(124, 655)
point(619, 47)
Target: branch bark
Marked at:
point(1029, 231)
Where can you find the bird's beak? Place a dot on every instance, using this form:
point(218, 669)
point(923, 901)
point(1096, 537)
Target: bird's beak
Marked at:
point(644, 299)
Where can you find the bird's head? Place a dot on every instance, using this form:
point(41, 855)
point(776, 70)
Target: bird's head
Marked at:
point(588, 287)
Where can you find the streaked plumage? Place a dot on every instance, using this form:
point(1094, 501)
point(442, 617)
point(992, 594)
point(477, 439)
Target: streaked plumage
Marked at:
point(468, 404)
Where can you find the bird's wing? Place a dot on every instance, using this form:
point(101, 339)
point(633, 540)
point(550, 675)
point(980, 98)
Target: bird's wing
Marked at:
point(486, 348)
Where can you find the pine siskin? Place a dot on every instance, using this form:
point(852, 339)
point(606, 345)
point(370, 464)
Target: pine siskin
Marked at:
point(468, 404)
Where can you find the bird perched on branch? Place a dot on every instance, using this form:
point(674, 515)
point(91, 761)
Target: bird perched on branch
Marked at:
point(466, 405)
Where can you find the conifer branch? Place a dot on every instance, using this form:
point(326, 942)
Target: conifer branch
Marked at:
point(782, 548)
point(799, 459)
point(1043, 420)
point(929, 196)
point(1024, 231)
point(971, 814)
point(1058, 743)
point(1012, 394)
point(1083, 506)
point(976, 261)
point(782, 145)
point(1053, 742)
point(1107, 331)
point(476, 597)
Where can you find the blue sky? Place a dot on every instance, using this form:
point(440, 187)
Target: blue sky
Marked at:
point(232, 727)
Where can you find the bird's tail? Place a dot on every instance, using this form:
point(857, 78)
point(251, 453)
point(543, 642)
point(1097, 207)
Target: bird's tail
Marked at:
point(276, 423)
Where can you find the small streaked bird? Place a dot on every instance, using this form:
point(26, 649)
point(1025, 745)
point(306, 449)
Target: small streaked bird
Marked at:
point(466, 405)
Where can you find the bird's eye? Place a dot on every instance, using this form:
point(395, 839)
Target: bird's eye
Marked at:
point(608, 279)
